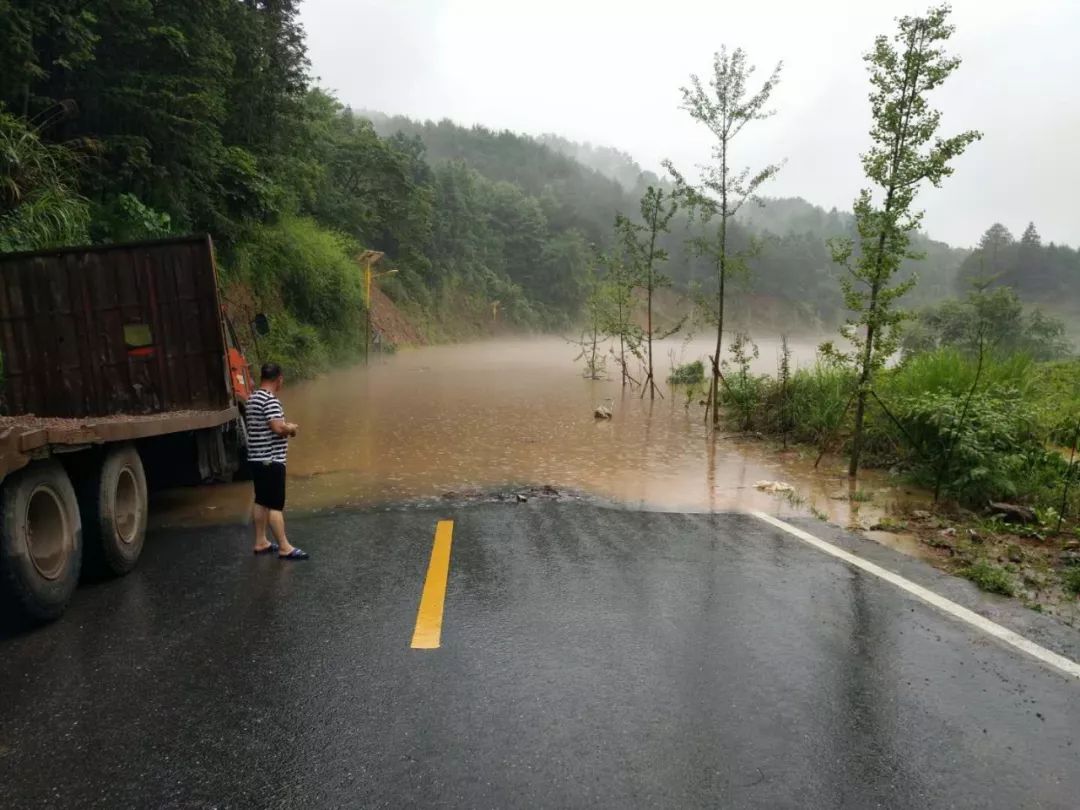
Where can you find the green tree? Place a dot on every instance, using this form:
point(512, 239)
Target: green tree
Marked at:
point(270, 81)
point(995, 316)
point(620, 281)
point(1048, 274)
point(643, 252)
point(725, 109)
point(995, 253)
point(41, 44)
point(906, 151)
point(596, 306)
point(563, 261)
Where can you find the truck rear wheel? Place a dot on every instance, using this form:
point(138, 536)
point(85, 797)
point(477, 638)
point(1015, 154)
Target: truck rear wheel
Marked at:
point(114, 507)
point(40, 540)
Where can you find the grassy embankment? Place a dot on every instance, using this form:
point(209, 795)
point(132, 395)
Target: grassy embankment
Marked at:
point(1002, 434)
point(306, 279)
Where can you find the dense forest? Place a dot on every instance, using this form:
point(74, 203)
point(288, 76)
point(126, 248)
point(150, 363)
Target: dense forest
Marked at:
point(1048, 275)
point(126, 119)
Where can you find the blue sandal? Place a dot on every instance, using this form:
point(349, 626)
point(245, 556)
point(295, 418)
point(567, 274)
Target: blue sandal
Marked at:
point(268, 549)
point(295, 554)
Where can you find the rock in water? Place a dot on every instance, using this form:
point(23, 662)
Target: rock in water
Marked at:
point(602, 412)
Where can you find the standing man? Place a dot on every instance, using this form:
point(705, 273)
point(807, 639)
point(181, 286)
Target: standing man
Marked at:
point(268, 447)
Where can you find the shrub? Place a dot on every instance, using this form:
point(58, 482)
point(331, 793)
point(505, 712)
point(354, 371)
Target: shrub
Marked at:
point(296, 347)
point(1057, 386)
point(990, 577)
point(688, 374)
point(743, 391)
point(980, 444)
point(311, 275)
point(1072, 581)
point(126, 218)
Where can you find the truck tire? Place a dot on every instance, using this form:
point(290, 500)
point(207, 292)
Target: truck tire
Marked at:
point(115, 505)
point(40, 541)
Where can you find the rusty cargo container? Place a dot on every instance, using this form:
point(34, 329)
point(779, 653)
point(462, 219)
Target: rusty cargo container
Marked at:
point(118, 366)
point(125, 329)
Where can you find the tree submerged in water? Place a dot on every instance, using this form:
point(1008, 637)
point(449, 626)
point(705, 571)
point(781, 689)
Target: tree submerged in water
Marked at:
point(619, 302)
point(645, 256)
point(725, 109)
point(592, 337)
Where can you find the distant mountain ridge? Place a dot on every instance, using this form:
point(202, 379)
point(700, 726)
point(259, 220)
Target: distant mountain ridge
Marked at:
point(581, 186)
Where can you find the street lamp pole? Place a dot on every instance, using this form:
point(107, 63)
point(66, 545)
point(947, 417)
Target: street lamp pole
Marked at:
point(368, 259)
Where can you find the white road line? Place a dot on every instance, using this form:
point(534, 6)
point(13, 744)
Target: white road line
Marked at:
point(1059, 662)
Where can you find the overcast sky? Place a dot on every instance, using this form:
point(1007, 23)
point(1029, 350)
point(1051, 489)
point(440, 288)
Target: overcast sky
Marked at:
point(609, 72)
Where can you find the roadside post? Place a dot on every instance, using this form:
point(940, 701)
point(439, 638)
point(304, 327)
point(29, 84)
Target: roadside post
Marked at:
point(368, 259)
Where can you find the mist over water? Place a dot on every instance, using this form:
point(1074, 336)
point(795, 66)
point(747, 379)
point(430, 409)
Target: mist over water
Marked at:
point(506, 414)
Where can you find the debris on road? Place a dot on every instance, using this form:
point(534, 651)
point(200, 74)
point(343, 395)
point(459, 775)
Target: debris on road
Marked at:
point(545, 492)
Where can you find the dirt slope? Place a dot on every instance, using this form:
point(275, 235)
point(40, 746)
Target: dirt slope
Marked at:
point(391, 322)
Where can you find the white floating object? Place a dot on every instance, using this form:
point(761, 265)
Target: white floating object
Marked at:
point(774, 486)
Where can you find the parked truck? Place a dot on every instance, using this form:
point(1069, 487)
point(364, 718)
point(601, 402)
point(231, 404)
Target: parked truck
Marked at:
point(120, 370)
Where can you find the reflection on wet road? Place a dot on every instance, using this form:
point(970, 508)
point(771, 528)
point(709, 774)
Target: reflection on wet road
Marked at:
point(589, 657)
point(516, 413)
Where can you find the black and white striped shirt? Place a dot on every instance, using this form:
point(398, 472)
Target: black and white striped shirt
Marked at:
point(263, 444)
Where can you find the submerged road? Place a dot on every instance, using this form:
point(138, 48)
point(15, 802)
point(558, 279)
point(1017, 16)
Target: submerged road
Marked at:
point(568, 655)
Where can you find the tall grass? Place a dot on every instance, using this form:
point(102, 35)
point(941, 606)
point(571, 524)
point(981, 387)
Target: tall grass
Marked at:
point(817, 398)
point(40, 207)
point(1058, 385)
point(993, 445)
point(948, 371)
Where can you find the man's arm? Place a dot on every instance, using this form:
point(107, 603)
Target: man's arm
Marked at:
point(278, 425)
point(283, 428)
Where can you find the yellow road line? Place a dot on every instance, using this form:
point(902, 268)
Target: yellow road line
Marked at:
point(428, 632)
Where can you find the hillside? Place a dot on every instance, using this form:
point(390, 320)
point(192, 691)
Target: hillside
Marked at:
point(580, 188)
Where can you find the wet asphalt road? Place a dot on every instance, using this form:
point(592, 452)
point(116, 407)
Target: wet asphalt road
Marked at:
point(590, 657)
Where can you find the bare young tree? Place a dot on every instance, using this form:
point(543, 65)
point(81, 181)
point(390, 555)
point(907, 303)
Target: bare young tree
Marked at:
point(639, 241)
point(725, 108)
point(619, 283)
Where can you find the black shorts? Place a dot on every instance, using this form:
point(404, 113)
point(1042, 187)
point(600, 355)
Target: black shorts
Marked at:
point(269, 478)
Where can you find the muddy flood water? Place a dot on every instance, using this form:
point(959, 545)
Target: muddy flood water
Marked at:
point(511, 414)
